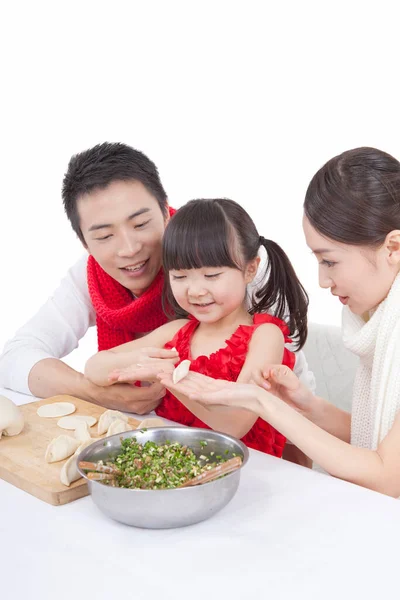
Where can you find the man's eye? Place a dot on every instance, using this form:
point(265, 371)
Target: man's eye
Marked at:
point(213, 275)
point(106, 237)
point(141, 225)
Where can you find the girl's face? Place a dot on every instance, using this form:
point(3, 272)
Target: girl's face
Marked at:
point(360, 277)
point(211, 293)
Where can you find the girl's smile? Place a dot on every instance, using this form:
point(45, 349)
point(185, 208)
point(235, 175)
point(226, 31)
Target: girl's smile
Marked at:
point(210, 294)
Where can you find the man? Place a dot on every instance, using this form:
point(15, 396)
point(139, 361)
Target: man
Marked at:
point(115, 201)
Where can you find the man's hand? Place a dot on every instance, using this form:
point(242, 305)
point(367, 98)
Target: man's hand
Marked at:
point(150, 363)
point(129, 398)
point(51, 377)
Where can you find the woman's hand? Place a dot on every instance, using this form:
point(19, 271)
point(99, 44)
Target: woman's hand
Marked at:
point(150, 362)
point(280, 381)
point(209, 391)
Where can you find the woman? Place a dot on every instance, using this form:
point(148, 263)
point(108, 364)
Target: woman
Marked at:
point(352, 225)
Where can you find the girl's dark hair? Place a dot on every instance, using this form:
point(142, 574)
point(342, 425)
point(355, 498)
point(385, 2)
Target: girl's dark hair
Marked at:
point(220, 233)
point(103, 164)
point(355, 197)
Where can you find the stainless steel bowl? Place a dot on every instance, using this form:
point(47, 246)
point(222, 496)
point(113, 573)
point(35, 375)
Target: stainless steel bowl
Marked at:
point(161, 509)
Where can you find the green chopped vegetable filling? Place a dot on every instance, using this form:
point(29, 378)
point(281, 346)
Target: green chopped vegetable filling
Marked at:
point(151, 466)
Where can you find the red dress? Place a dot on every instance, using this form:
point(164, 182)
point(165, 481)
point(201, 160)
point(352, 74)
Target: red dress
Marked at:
point(226, 363)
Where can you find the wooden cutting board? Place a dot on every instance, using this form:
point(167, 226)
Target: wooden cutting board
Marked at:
point(22, 456)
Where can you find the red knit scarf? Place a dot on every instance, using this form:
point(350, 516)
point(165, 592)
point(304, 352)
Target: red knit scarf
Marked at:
point(119, 316)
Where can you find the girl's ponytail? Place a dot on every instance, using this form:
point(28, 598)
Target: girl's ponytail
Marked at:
point(283, 293)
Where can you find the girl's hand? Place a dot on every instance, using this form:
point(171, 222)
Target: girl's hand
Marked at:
point(150, 363)
point(280, 381)
point(209, 391)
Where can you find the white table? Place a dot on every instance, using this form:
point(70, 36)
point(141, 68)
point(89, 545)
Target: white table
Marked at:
point(289, 533)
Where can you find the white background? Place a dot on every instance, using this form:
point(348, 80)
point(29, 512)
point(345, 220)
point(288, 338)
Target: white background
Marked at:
point(239, 99)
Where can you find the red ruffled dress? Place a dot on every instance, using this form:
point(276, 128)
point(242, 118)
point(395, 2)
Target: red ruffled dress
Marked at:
point(226, 363)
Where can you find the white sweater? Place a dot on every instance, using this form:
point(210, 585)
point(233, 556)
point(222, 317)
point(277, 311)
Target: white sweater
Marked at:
point(55, 330)
point(376, 396)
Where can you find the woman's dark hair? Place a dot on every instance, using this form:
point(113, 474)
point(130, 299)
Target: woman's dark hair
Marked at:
point(355, 197)
point(103, 164)
point(220, 233)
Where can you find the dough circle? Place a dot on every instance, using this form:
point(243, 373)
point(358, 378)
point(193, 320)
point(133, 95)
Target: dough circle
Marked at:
point(73, 422)
point(57, 409)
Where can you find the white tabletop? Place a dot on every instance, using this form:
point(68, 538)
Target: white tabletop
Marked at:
point(289, 532)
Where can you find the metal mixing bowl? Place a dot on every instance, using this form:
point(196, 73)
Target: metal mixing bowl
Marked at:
point(160, 509)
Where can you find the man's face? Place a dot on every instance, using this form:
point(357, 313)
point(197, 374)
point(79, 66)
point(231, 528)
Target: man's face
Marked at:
point(123, 227)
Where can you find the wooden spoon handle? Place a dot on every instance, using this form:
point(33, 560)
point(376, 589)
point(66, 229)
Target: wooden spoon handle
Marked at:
point(100, 476)
point(99, 467)
point(223, 469)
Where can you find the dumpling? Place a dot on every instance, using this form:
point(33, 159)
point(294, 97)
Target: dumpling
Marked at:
point(181, 371)
point(69, 471)
point(60, 448)
point(118, 426)
point(82, 432)
point(107, 418)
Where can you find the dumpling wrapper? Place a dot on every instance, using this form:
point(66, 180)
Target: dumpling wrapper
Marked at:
point(181, 371)
point(118, 426)
point(82, 432)
point(57, 409)
point(73, 422)
point(107, 418)
point(69, 471)
point(60, 448)
point(151, 422)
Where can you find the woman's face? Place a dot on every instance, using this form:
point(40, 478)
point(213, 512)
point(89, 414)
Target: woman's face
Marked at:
point(359, 276)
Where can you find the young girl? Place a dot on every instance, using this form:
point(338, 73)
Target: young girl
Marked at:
point(210, 255)
point(352, 225)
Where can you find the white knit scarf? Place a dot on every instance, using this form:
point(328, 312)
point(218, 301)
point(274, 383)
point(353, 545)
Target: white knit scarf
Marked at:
point(376, 396)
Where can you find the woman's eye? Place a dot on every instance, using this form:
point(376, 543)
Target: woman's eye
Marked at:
point(213, 275)
point(141, 225)
point(327, 263)
point(178, 277)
